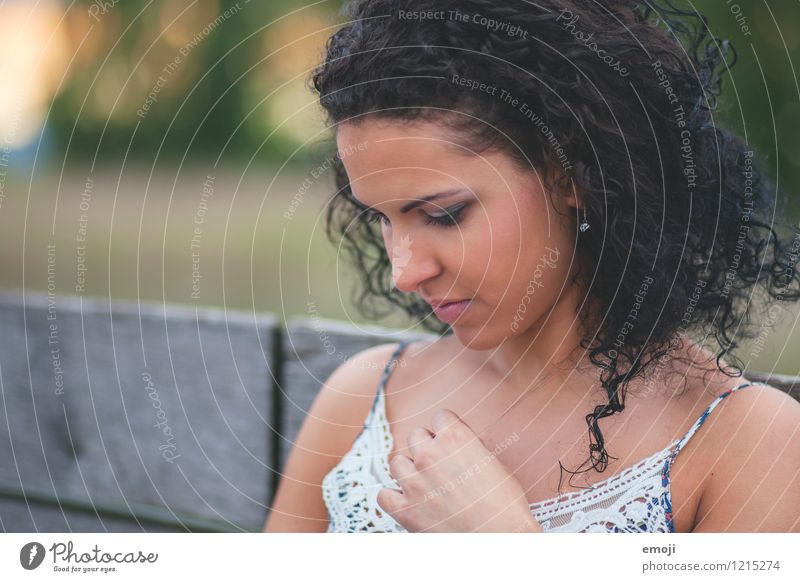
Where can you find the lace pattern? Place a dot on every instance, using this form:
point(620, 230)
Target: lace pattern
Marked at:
point(637, 499)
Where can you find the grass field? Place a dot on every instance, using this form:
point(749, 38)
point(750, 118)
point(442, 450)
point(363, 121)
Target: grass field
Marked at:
point(218, 237)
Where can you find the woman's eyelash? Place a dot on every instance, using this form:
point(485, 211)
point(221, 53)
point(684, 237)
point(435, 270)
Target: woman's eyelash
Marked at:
point(451, 218)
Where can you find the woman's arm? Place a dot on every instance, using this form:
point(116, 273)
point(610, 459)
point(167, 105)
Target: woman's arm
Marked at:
point(753, 483)
point(328, 431)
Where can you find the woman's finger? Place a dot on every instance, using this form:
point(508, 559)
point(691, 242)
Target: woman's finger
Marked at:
point(401, 467)
point(391, 501)
point(418, 438)
point(445, 419)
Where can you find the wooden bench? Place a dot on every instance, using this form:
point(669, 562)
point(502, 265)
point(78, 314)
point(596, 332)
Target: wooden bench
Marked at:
point(122, 417)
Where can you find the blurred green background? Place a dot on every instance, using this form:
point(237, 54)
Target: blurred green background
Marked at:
point(164, 150)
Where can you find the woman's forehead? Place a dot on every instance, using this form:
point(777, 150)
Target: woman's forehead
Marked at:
point(406, 139)
point(375, 151)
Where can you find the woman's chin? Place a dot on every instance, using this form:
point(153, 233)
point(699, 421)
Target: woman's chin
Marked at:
point(475, 338)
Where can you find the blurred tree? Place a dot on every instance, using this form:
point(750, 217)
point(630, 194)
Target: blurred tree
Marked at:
point(243, 65)
point(761, 96)
point(179, 78)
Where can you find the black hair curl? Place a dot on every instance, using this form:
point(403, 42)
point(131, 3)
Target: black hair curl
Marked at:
point(676, 203)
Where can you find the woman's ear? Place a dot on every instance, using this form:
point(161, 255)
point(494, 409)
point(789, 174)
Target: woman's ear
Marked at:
point(564, 188)
point(571, 196)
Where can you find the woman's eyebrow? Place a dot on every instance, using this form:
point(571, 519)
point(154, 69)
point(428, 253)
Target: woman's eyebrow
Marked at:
point(414, 203)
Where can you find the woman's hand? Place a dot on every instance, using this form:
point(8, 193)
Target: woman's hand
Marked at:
point(454, 484)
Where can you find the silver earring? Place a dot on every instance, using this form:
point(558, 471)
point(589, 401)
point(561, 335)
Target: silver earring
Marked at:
point(584, 226)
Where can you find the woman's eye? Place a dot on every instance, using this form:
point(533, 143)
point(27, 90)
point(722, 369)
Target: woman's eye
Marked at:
point(450, 218)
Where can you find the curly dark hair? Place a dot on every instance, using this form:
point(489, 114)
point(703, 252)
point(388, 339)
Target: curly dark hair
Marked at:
point(624, 93)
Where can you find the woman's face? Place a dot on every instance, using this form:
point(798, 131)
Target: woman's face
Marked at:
point(491, 235)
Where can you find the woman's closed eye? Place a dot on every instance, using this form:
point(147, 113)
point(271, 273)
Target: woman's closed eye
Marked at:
point(450, 216)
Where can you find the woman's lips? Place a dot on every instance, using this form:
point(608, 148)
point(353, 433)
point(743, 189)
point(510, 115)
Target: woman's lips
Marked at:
point(450, 312)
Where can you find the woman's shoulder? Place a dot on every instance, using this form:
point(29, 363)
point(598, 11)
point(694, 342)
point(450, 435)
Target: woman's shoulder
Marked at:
point(363, 370)
point(698, 390)
point(347, 395)
point(752, 463)
point(741, 441)
point(747, 410)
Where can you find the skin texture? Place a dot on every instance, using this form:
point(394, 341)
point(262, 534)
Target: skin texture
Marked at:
point(513, 246)
point(510, 238)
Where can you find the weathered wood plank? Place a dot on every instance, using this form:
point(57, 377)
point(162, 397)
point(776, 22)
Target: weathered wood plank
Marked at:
point(125, 404)
point(789, 384)
point(311, 350)
point(168, 413)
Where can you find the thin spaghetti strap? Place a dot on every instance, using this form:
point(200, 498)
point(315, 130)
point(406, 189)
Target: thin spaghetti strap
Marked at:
point(665, 476)
point(387, 370)
point(705, 414)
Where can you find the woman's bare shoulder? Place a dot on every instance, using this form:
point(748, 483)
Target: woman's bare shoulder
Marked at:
point(359, 375)
point(752, 464)
point(331, 425)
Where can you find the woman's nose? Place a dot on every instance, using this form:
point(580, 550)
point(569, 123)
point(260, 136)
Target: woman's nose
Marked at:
point(411, 265)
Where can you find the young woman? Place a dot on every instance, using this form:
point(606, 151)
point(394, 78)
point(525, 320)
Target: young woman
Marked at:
point(547, 189)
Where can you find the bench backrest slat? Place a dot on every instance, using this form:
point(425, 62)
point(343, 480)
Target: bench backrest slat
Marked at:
point(138, 417)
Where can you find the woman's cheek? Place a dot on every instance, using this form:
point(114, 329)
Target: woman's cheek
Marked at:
point(534, 276)
point(494, 258)
point(482, 254)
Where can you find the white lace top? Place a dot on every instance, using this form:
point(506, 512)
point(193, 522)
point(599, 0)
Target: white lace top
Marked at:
point(636, 499)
